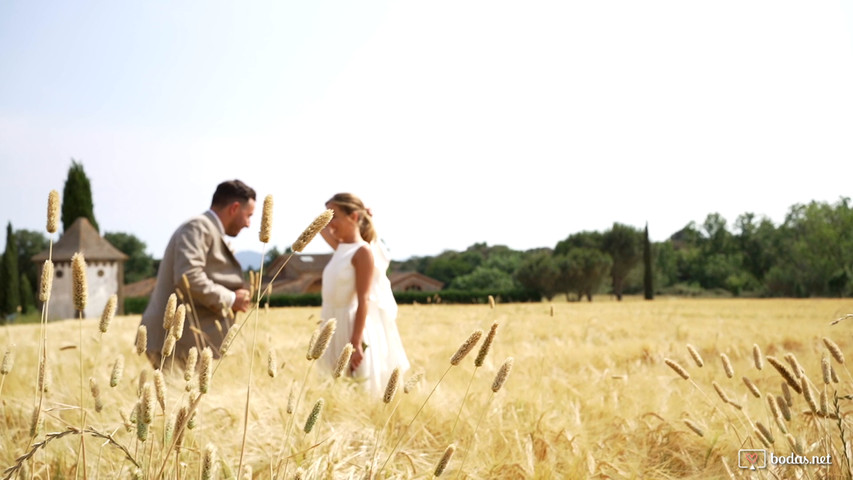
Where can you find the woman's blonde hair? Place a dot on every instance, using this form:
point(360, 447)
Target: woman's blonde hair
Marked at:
point(349, 203)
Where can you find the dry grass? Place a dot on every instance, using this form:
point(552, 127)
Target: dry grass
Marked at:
point(589, 396)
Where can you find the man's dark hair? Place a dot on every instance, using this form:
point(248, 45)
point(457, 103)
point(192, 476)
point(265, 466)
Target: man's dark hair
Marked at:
point(231, 191)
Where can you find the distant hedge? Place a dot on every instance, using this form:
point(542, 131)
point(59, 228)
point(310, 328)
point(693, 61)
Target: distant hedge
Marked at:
point(136, 305)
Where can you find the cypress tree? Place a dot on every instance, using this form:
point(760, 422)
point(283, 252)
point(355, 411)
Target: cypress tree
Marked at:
point(77, 197)
point(648, 273)
point(10, 276)
point(27, 299)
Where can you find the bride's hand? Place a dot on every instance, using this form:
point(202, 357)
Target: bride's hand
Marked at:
point(357, 357)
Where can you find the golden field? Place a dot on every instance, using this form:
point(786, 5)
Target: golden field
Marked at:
point(589, 396)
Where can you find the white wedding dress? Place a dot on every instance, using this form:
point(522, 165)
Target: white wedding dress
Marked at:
point(384, 350)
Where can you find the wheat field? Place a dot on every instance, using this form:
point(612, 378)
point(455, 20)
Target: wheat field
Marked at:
point(589, 395)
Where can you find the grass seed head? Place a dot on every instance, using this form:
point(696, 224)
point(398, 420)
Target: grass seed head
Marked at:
point(309, 233)
point(46, 281)
point(834, 350)
point(206, 370)
point(727, 365)
point(42, 378)
point(314, 416)
point(266, 220)
point(141, 381)
point(797, 369)
point(52, 211)
point(118, 370)
point(696, 357)
point(169, 312)
point(272, 363)
point(192, 359)
point(695, 427)
point(784, 409)
point(8, 362)
point(108, 314)
point(445, 459)
point(96, 394)
point(177, 329)
point(786, 373)
point(323, 339)
point(391, 387)
point(160, 389)
point(228, 340)
point(722, 393)
point(752, 387)
point(466, 347)
point(502, 374)
point(412, 382)
point(487, 344)
point(168, 346)
point(343, 360)
point(309, 355)
point(79, 285)
point(765, 432)
point(677, 368)
point(208, 464)
point(148, 403)
point(757, 359)
point(141, 339)
point(826, 370)
point(291, 398)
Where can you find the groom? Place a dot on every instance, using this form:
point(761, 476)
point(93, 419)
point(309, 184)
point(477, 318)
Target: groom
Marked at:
point(198, 250)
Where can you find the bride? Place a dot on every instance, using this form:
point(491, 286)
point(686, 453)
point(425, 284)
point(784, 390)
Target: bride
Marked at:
point(357, 293)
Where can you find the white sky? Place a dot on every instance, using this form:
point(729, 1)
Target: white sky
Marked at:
point(512, 123)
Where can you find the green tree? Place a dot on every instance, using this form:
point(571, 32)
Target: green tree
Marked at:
point(139, 264)
point(450, 265)
point(77, 197)
point(584, 239)
point(622, 243)
point(815, 252)
point(9, 276)
point(648, 271)
point(583, 271)
point(30, 243)
point(27, 299)
point(539, 272)
point(757, 242)
point(484, 278)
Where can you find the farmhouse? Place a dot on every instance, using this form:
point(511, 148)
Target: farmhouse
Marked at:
point(304, 274)
point(104, 271)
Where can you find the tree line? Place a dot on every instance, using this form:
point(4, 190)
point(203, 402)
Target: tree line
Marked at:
point(810, 254)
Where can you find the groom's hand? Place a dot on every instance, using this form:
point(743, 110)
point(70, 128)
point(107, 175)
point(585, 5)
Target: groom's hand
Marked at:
point(242, 301)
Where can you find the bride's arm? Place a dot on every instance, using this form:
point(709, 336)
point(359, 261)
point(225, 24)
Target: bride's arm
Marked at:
point(362, 261)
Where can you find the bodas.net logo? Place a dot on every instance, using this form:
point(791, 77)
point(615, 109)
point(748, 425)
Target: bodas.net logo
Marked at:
point(752, 459)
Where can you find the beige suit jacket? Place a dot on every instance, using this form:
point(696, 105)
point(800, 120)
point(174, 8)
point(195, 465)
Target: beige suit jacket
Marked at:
point(197, 249)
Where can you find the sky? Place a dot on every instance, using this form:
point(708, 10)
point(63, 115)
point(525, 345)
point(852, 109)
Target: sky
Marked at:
point(457, 122)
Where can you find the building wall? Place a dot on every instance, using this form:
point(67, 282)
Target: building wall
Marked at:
point(102, 279)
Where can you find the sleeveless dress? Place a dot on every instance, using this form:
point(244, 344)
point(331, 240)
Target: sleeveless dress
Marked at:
point(384, 350)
